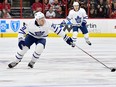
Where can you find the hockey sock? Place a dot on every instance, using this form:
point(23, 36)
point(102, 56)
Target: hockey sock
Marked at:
point(38, 50)
point(75, 36)
point(86, 36)
point(19, 55)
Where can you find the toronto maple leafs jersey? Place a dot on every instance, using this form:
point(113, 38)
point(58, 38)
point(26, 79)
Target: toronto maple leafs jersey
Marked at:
point(38, 31)
point(77, 17)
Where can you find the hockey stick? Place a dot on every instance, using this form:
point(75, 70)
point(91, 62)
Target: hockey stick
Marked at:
point(68, 24)
point(112, 69)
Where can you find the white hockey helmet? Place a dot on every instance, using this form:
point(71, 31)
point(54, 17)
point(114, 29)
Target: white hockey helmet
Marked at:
point(75, 3)
point(39, 15)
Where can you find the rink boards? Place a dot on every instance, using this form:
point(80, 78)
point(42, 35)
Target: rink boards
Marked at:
point(96, 27)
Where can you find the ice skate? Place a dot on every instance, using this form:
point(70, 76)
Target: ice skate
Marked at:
point(73, 44)
point(31, 64)
point(13, 64)
point(88, 42)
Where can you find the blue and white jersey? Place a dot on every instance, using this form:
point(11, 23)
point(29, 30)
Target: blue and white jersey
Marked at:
point(40, 31)
point(77, 17)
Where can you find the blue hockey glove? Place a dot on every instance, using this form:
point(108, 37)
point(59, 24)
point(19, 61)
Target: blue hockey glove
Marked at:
point(68, 40)
point(84, 23)
point(63, 23)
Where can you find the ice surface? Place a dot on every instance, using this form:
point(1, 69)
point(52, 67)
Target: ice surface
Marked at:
point(60, 65)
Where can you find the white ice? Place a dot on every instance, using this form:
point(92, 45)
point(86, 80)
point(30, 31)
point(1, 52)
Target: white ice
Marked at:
point(60, 65)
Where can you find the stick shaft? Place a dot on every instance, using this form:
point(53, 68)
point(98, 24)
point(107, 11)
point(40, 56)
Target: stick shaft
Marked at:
point(93, 57)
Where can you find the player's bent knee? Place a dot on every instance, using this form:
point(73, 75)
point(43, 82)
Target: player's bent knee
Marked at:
point(24, 50)
point(39, 48)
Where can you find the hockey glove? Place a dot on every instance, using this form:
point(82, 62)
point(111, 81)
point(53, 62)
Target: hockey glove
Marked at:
point(84, 23)
point(21, 43)
point(68, 40)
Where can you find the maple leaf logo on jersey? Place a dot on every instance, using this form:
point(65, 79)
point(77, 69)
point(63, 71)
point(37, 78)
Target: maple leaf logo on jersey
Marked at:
point(78, 19)
point(40, 33)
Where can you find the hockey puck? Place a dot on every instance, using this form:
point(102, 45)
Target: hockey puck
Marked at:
point(113, 70)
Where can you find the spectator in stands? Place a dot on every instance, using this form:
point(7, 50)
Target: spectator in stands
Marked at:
point(64, 1)
point(46, 6)
point(59, 8)
point(10, 2)
point(70, 4)
point(51, 1)
point(60, 13)
point(37, 6)
point(1, 7)
point(50, 13)
point(6, 9)
point(113, 14)
point(83, 4)
point(63, 7)
point(107, 9)
point(93, 11)
point(101, 9)
point(31, 2)
point(56, 5)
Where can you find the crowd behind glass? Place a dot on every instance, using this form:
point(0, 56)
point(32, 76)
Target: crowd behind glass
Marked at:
point(60, 8)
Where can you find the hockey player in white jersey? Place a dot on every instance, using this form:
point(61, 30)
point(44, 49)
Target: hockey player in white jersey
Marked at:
point(36, 32)
point(78, 18)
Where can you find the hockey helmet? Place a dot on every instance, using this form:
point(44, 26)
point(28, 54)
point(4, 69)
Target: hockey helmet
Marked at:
point(75, 3)
point(39, 15)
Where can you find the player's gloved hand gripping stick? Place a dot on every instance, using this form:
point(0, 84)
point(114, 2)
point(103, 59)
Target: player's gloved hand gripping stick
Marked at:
point(69, 40)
